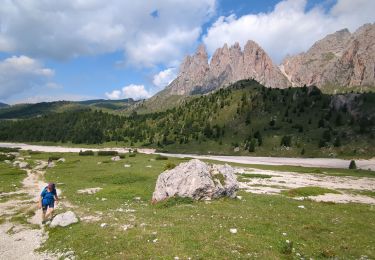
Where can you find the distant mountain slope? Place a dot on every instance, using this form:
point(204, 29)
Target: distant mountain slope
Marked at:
point(244, 118)
point(3, 105)
point(339, 60)
point(44, 108)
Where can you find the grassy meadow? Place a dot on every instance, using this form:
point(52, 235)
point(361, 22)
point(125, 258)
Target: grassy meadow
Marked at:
point(268, 226)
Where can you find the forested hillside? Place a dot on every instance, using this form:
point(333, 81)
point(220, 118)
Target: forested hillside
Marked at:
point(245, 118)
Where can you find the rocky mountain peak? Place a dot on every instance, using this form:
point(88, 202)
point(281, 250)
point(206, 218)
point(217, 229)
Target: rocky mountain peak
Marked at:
point(339, 59)
point(228, 65)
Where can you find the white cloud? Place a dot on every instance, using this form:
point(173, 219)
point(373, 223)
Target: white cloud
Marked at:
point(133, 91)
point(289, 28)
point(21, 73)
point(164, 77)
point(70, 28)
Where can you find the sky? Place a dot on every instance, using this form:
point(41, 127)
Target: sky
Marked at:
point(88, 49)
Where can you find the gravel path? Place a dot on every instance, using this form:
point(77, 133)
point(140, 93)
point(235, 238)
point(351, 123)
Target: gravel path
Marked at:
point(19, 241)
point(306, 162)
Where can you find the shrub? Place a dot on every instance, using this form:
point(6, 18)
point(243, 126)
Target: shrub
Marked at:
point(54, 158)
point(86, 153)
point(122, 156)
point(352, 165)
point(286, 141)
point(169, 166)
point(161, 157)
point(132, 154)
point(8, 149)
point(4, 157)
point(107, 153)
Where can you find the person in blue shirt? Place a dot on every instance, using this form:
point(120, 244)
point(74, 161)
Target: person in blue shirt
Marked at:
point(47, 201)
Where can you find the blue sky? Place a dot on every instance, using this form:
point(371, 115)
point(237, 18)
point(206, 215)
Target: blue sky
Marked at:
point(75, 50)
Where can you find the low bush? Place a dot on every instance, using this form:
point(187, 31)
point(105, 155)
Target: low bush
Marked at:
point(161, 157)
point(169, 166)
point(352, 165)
point(4, 157)
point(8, 149)
point(54, 158)
point(122, 156)
point(132, 154)
point(106, 153)
point(86, 153)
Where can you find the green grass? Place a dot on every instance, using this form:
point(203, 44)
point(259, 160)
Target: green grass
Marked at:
point(308, 191)
point(199, 230)
point(262, 176)
point(10, 178)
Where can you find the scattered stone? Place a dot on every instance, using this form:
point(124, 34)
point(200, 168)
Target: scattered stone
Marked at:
point(23, 165)
point(239, 197)
point(90, 219)
point(233, 230)
point(116, 158)
point(198, 180)
point(89, 190)
point(61, 160)
point(284, 234)
point(301, 206)
point(127, 226)
point(103, 225)
point(127, 165)
point(155, 240)
point(137, 198)
point(149, 166)
point(64, 219)
point(104, 199)
point(51, 165)
point(236, 149)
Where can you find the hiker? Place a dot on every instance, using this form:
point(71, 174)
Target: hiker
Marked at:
point(47, 201)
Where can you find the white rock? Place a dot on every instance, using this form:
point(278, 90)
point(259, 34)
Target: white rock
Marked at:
point(198, 180)
point(149, 166)
point(233, 230)
point(127, 165)
point(64, 219)
point(98, 163)
point(103, 225)
point(116, 158)
point(155, 240)
point(89, 190)
point(301, 206)
point(239, 197)
point(61, 160)
point(23, 165)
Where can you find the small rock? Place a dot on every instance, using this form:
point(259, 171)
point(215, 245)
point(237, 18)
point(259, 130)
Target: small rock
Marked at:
point(127, 226)
point(239, 197)
point(64, 219)
point(284, 234)
point(116, 158)
point(127, 165)
point(149, 166)
point(23, 165)
point(61, 160)
point(104, 199)
point(98, 163)
point(103, 225)
point(155, 240)
point(137, 198)
point(301, 206)
point(233, 230)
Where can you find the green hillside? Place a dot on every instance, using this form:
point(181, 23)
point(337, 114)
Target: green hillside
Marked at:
point(44, 108)
point(244, 119)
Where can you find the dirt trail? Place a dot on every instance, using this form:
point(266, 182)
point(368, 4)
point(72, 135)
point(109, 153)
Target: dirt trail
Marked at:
point(19, 241)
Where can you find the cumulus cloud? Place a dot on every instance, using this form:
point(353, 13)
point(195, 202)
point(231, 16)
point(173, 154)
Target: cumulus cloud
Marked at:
point(70, 28)
point(133, 91)
point(290, 28)
point(164, 77)
point(21, 73)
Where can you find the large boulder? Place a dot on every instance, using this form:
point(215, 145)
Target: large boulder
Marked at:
point(64, 219)
point(197, 180)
